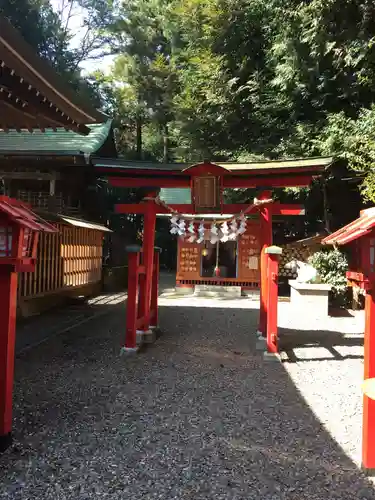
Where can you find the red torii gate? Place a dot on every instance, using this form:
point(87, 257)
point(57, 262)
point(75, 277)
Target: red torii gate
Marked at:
point(207, 182)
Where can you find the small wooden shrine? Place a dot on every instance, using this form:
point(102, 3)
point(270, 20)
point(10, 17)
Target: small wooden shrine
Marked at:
point(223, 263)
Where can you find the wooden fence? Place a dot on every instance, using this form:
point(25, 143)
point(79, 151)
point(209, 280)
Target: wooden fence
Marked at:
point(68, 259)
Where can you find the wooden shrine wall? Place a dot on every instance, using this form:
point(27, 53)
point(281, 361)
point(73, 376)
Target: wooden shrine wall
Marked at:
point(248, 261)
point(69, 263)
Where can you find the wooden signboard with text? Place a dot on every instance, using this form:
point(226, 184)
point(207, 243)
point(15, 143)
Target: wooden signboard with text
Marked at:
point(249, 253)
point(189, 260)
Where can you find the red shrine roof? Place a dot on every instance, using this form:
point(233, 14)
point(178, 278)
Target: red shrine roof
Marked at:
point(356, 229)
point(21, 214)
point(311, 165)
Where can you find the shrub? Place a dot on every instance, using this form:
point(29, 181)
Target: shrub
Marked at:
point(332, 266)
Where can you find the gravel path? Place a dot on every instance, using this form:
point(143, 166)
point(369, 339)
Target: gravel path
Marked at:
point(198, 415)
point(328, 371)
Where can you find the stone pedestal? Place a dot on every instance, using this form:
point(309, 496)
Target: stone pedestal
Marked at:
point(231, 292)
point(309, 299)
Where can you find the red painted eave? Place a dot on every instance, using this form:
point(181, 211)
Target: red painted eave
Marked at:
point(354, 230)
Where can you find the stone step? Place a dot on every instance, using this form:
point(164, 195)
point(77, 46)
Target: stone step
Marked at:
point(217, 291)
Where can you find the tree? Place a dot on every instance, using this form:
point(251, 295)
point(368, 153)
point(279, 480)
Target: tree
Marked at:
point(145, 66)
point(50, 36)
point(46, 35)
point(95, 16)
point(353, 140)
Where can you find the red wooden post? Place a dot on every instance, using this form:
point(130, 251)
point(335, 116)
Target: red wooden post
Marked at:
point(147, 261)
point(273, 253)
point(155, 291)
point(266, 240)
point(8, 310)
point(132, 302)
point(368, 428)
point(262, 325)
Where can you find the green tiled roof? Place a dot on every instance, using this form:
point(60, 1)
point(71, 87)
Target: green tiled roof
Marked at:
point(175, 196)
point(59, 141)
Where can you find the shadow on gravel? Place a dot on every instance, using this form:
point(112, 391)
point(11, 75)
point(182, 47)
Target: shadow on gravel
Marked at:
point(329, 340)
point(197, 416)
point(35, 330)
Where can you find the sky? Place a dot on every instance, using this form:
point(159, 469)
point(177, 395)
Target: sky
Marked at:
point(75, 26)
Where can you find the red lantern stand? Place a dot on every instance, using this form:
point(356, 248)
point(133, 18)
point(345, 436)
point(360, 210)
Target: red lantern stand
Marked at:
point(19, 232)
point(362, 233)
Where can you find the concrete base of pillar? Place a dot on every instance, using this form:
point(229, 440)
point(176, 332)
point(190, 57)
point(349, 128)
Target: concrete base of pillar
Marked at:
point(139, 335)
point(5, 442)
point(261, 344)
point(127, 351)
point(271, 356)
point(230, 292)
point(147, 336)
point(368, 472)
point(184, 290)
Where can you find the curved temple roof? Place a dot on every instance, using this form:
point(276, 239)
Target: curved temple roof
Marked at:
point(32, 94)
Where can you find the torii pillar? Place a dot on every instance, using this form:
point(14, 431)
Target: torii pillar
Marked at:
point(149, 226)
point(265, 214)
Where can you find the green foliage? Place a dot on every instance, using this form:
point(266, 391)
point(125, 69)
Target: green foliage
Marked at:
point(47, 34)
point(331, 266)
point(233, 80)
point(225, 79)
point(354, 141)
point(242, 79)
point(143, 81)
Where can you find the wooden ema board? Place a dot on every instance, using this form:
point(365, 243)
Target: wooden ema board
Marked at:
point(248, 255)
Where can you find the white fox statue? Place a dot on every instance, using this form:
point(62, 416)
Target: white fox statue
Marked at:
point(306, 273)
